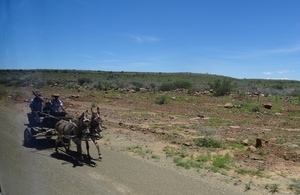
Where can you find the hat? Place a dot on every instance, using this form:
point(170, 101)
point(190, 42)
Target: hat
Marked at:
point(37, 93)
point(55, 95)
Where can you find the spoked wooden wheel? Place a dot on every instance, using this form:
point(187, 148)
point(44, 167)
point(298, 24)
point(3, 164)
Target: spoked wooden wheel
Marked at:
point(28, 139)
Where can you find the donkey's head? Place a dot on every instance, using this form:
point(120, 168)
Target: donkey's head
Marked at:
point(84, 122)
point(96, 121)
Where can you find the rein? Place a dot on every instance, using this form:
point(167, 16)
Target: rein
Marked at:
point(49, 115)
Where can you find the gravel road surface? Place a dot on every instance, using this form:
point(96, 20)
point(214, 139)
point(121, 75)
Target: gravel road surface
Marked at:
point(39, 170)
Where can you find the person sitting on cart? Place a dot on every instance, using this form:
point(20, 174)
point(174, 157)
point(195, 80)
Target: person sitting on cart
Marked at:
point(57, 106)
point(36, 104)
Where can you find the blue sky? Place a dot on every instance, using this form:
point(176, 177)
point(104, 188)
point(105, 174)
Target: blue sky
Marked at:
point(236, 38)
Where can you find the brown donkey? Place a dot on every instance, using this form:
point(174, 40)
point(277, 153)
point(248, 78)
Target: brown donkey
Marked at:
point(95, 129)
point(72, 130)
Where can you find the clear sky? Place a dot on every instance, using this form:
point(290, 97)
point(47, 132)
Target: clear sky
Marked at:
point(236, 38)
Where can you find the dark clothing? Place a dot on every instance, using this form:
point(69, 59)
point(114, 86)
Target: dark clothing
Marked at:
point(36, 104)
point(55, 105)
point(36, 107)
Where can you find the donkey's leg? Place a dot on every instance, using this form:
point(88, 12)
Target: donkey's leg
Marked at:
point(87, 146)
point(58, 139)
point(78, 146)
point(67, 147)
point(98, 147)
point(56, 143)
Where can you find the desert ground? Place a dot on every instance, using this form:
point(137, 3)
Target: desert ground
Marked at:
point(259, 147)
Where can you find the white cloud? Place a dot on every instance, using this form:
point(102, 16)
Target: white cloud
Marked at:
point(283, 71)
point(282, 50)
point(141, 39)
point(268, 73)
point(279, 78)
point(278, 72)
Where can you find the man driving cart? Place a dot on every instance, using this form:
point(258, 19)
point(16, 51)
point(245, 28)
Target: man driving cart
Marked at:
point(36, 104)
point(57, 106)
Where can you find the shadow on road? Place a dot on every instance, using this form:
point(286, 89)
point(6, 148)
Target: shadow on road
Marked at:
point(41, 144)
point(72, 157)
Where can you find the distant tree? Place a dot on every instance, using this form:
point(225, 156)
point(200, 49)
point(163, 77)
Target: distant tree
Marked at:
point(82, 81)
point(221, 87)
point(152, 85)
point(175, 85)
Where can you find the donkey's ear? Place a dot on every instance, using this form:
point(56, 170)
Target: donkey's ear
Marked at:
point(81, 116)
point(98, 110)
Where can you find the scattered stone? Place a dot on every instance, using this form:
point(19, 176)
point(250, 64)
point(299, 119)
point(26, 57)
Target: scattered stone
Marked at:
point(187, 144)
point(173, 117)
point(228, 105)
point(74, 96)
point(196, 118)
point(245, 142)
point(266, 141)
point(230, 139)
point(278, 114)
point(254, 157)
point(267, 106)
point(266, 130)
point(173, 98)
point(234, 127)
point(200, 116)
point(252, 149)
point(291, 145)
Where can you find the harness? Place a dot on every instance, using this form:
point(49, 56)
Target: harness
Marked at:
point(67, 123)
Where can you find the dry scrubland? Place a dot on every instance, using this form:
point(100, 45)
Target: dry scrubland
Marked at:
point(245, 141)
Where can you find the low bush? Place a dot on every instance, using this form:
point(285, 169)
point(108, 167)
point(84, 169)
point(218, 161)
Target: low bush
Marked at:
point(161, 100)
point(221, 162)
point(207, 142)
point(82, 81)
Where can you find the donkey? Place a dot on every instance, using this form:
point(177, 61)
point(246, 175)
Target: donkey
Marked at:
point(72, 131)
point(95, 129)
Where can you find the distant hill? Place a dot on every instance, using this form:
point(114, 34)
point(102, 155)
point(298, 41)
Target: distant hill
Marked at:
point(109, 79)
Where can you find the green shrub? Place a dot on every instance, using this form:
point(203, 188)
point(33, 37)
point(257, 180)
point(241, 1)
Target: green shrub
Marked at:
point(82, 81)
point(182, 84)
point(272, 187)
point(3, 92)
point(161, 100)
point(207, 142)
point(137, 84)
point(175, 85)
point(221, 162)
point(152, 85)
point(167, 87)
point(278, 86)
point(295, 186)
point(255, 109)
point(203, 157)
point(221, 87)
point(179, 162)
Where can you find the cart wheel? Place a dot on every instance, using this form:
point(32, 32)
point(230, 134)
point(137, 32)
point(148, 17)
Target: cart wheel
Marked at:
point(28, 139)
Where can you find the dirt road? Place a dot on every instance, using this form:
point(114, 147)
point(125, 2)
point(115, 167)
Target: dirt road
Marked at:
point(40, 170)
